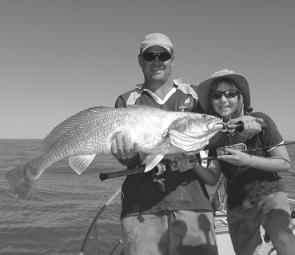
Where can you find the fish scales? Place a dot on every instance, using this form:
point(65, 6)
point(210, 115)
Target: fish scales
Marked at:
point(90, 132)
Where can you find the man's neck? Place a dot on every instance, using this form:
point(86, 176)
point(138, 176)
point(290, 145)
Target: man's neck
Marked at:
point(161, 89)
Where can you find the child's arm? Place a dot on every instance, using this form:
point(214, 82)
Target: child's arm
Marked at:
point(209, 175)
point(278, 161)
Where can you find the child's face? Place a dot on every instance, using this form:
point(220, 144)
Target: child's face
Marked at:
point(225, 104)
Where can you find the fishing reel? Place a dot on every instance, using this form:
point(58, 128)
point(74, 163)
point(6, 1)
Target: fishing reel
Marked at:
point(157, 175)
point(159, 169)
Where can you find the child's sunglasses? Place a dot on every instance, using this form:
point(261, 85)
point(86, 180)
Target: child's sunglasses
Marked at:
point(227, 94)
point(151, 56)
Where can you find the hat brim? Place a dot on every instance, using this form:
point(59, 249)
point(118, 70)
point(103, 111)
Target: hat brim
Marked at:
point(204, 89)
point(165, 47)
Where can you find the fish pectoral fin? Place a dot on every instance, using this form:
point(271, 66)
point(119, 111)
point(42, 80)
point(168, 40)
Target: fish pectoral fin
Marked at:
point(186, 142)
point(151, 161)
point(80, 163)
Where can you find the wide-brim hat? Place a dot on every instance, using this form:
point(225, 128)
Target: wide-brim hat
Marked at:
point(204, 88)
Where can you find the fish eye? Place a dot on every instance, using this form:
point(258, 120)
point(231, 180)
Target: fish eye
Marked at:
point(204, 116)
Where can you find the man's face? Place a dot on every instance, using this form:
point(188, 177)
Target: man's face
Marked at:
point(156, 63)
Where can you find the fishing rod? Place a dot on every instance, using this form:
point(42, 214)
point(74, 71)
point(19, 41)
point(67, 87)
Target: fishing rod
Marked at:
point(159, 167)
point(250, 149)
point(118, 191)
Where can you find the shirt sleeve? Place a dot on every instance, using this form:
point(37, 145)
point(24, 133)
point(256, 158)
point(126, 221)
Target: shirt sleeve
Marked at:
point(270, 133)
point(120, 102)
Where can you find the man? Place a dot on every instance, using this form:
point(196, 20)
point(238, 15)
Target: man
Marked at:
point(167, 212)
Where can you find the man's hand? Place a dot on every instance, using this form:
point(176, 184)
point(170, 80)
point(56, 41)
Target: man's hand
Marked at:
point(183, 162)
point(252, 125)
point(122, 147)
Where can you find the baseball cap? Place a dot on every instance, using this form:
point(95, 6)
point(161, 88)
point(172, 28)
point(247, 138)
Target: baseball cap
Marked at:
point(156, 39)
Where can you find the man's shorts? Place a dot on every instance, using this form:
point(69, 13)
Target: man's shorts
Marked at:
point(170, 233)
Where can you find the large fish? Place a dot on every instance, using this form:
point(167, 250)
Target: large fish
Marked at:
point(154, 132)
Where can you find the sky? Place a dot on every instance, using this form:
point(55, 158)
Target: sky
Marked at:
point(58, 57)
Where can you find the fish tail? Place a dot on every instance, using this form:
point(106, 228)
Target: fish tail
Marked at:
point(20, 181)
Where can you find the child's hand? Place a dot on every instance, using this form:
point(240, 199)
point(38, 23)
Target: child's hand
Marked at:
point(235, 157)
point(252, 125)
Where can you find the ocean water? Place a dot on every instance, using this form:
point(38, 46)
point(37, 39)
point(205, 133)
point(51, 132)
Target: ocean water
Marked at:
point(55, 218)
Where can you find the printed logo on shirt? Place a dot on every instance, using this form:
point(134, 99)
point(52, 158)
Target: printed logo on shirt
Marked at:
point(238, 146)
point(187, 105)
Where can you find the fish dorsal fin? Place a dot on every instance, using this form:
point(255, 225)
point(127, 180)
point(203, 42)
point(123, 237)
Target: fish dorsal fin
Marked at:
point(80, 163)
point(78, 119)
point(186, 142)
point(151, 161)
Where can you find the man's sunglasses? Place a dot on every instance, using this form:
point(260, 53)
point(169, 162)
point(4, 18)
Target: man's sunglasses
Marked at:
point(227, 94)
point(151, 56)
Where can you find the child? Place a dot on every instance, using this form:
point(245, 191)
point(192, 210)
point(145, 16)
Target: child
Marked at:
point(254, 188)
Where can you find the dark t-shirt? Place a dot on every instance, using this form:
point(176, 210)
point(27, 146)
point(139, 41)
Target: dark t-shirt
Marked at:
point(239, 176)
point(183, 191)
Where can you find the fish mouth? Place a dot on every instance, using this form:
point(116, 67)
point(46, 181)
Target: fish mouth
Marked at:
point(219, 126)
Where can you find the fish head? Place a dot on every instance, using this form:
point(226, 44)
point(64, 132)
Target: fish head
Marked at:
point(200, 125)
point(193, 131)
